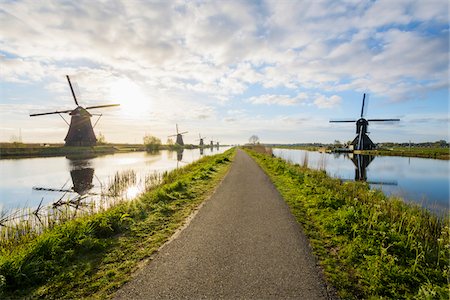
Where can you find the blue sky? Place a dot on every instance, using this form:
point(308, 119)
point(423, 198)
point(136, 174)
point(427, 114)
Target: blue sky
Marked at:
point(227, 69)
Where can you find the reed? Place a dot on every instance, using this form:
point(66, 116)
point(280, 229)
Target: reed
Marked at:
point(22, 224)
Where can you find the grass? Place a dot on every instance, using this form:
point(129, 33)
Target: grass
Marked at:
point(369, 246)
point(437, 153)
point(92, 256)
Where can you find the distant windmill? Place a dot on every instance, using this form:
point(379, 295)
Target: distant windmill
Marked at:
point(362, 140)
point(179, 136)
point(81, 132)
point(217, 144)
point(200, 138)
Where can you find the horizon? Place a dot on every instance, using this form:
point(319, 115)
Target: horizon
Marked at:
point(227, 70)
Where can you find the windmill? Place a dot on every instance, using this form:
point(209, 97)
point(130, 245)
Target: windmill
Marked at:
point(81, 132)
point(362, 140)
point(179, 136)
point(200, 138)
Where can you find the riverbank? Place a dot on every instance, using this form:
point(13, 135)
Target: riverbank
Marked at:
point(368, 245)
point(423, 152)
point(16, 150)
point(50, 150)
point(94, 255)
point(436, 153)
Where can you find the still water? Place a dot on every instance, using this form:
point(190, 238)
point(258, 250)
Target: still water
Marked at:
point(420, 180)
point(30, 182)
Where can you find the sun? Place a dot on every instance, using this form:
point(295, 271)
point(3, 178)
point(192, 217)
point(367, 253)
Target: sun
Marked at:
point(133, 101)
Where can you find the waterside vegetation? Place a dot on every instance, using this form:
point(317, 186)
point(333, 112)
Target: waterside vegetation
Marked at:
point(369, 246)
point(21, 150)
point(92, 256)
point(436, 150)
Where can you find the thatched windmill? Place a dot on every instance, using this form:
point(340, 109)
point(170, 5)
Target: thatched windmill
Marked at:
point(362, 140)
point(179, 136)
point(81, 132)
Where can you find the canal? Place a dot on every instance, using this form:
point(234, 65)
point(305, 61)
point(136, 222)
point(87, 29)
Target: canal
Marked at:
point(32, 182)
point(419, 180)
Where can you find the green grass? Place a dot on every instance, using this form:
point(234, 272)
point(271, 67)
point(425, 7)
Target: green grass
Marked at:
point(92, 256)
point(369, 246)
point(437, 153)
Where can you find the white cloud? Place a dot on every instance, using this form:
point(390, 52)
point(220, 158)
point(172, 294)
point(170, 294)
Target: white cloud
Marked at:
point(322, 101)
point(283, 100)
point(192, 59)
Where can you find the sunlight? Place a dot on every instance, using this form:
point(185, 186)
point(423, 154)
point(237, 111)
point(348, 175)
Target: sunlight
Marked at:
point(132, 192)
point(132, 99)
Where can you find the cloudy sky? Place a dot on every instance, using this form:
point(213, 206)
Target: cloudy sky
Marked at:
point(227, 69)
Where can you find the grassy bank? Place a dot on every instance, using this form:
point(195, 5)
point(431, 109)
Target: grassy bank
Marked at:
point(48, 151)
point(19, 150)
point(94, 255)
point(437, 153)
point(370, 246)
point(433, 152)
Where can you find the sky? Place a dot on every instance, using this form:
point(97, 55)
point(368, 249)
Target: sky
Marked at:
point(227, 70)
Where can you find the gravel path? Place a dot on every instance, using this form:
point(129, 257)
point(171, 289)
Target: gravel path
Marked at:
point(243, 244)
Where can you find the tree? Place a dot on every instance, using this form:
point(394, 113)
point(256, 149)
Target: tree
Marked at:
point(101, 140)
point(151, 143)
point(254, 139)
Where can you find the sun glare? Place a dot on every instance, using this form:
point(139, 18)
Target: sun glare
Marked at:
point(132, 192)
point(132, 99)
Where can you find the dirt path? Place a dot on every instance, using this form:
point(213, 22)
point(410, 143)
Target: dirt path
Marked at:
point(243, 244)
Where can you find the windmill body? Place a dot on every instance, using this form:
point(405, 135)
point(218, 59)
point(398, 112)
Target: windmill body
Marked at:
point(179, 135)
point(81, 131)
point(201, 140)
point(362, 140)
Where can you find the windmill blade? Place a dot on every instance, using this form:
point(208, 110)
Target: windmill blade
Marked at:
point(100, 106)
point(383, 120)
point(342, 121)
point(71, 88)
point(393, 182)
point(362, 108)
point(52, 190)
point(183, 132)
point(360, 140)
point(51, 113)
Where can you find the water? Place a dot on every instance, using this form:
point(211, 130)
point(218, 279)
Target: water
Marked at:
point(30, 182)
point(420, 180)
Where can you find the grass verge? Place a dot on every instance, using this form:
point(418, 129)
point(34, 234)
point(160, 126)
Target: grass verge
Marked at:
point(370, 246)
point(92, 256)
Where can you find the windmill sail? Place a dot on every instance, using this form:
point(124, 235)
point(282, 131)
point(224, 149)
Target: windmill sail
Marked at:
point(81, 132)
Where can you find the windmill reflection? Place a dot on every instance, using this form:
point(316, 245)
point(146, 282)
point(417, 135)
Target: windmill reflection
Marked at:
point(81, 175)
point(201, 151)
point(361, 163)
point(180, 154)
